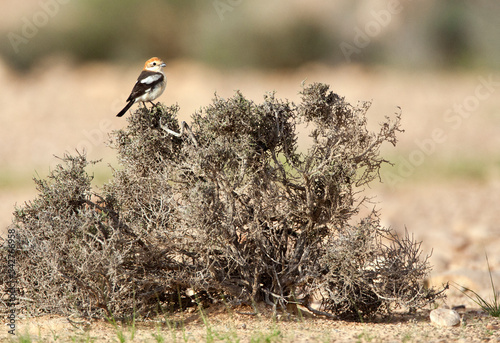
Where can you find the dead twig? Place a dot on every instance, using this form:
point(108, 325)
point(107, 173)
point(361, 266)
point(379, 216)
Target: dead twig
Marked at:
point(184, 128)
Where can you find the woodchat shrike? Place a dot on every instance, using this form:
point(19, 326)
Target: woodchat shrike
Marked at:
point(149, 85)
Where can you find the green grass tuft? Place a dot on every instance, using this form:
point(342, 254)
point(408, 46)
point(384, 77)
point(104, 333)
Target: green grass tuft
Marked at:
point(491, 307)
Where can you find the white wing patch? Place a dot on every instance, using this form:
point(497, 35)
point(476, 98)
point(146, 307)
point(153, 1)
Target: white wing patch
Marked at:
point(151, 79)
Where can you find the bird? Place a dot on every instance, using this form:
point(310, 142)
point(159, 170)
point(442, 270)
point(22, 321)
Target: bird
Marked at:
point(149, 85)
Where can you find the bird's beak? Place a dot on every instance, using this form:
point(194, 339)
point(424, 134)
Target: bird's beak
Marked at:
point(163, 64)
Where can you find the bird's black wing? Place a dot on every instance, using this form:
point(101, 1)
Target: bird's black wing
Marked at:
point(146, 81)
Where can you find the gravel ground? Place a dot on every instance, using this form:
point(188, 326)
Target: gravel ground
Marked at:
point(221, 326)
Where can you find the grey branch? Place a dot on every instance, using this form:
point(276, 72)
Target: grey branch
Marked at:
point(184, 127)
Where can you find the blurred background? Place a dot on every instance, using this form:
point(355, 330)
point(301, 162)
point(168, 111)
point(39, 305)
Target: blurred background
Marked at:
point(66, 68)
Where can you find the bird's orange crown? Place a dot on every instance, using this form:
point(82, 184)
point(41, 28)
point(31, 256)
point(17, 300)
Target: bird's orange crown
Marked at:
point(154, 64)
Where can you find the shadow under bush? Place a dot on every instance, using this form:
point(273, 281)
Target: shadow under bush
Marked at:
point(241, 215)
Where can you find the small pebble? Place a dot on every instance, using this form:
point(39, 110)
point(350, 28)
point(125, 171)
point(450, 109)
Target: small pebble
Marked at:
point(492, 327)
point(445, 317)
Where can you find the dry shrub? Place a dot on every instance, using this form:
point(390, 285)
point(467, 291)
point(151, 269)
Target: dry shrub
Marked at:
point(241, 215)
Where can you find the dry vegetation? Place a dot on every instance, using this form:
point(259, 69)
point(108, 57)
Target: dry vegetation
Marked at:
point(237, 215)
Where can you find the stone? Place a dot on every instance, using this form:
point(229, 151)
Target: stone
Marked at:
point(492, 327)
point(445, 317)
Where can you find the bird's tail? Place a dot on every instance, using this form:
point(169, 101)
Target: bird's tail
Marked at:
point(125, 109)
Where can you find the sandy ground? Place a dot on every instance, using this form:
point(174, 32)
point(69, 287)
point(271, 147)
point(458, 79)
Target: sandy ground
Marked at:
point(445, 187)
point(220, 326)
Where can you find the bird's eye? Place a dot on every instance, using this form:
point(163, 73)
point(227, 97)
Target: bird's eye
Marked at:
point(154, 63)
